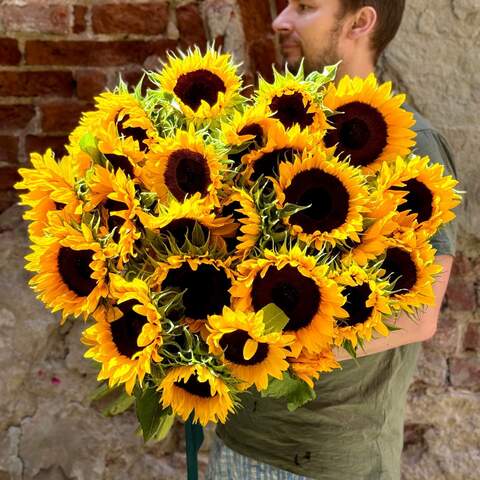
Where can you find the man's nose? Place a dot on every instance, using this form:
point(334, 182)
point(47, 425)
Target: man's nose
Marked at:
point(282, 22)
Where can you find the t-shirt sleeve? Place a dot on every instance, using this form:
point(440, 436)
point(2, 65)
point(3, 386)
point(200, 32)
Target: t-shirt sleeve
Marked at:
point(433, 144)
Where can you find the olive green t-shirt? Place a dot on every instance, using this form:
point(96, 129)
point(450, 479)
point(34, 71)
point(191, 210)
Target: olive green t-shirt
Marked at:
point(353, 430)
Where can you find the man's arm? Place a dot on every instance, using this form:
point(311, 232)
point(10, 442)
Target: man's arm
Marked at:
point(411, 331)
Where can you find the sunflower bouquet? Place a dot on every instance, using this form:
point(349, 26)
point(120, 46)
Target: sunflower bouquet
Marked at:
point(217, 242)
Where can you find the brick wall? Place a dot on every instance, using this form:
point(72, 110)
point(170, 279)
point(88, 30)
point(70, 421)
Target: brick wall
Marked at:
point(55, 55)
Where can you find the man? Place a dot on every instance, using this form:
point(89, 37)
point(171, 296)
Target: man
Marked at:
point(354, 429)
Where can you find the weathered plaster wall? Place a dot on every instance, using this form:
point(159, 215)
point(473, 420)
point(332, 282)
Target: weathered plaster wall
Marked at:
point(49, 430)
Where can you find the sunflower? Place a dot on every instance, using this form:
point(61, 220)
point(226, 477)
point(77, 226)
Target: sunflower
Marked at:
point(424, 196)
point(122, 113)
point(179, 218)
point(126, 335)
point(114, 195)
point(308, 366)
point(121, 153)
point(372, 240)
point(242, 127)
point(195, 388)
point(296, 284)
point(70, 269)
point(184, 166)
point(335, 191)
point(370, 126)
point(204, 86)
point(281, 145)
point(205, 282)
point(251, 355)
point(368, 301)
point(245, 131)
point(247, 223)
point(293, 101)
point(50, 188)
point(408, 261)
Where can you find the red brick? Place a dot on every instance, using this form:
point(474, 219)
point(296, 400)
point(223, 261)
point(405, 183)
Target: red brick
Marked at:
point(31, 84)
point(90, 83)
point(41, 144)
point(92, 53)
point(462, 265)
point(79, 18)
point(8, 176)
point(62, 116)
point(190, 26)
point(461, 287)
point(262, 54)
point(256, 19)
point(461, 294)
point(471, 341)
point(465, 372)
point(140, 18)
point(36, 18)
point(446, 336)
point(280, 5)
point(14, 117)
point(9, 52)
point(8, 149)
point(7, 199)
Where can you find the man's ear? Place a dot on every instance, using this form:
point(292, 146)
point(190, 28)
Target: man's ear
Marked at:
point(363, 23)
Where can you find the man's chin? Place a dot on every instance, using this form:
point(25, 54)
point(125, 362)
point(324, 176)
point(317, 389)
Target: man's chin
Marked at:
point(293, 64)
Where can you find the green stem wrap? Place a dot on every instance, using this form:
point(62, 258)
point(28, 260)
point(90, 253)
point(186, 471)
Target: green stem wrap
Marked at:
point(194, 440)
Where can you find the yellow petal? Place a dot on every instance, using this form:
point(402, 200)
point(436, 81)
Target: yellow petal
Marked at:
point(249, 349)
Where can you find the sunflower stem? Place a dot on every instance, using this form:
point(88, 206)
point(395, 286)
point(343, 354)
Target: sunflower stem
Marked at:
point(193, 441)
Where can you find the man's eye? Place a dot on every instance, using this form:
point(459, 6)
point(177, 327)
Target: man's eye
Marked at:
point(303, 8)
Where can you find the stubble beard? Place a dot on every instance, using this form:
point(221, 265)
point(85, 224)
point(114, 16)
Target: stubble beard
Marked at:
point(320, 58)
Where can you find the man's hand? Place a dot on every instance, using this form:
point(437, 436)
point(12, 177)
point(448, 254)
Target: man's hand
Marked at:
point(411, 331)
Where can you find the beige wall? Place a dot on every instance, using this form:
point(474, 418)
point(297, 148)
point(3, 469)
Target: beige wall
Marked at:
point(48, 428)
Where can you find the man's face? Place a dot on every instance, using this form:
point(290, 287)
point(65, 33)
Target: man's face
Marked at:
point(310, 29)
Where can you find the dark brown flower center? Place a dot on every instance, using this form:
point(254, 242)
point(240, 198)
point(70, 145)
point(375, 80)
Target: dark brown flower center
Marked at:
point(137, 133)
point(182, 228)
point(74, 268)
point(419, 199)
point(193, 87)
point(120, 162)
point(298, 296)
point(206, 289)
point(328, 198)
point(195, 387)
point(268, 163)
point(232, 344)
point(360, 131)
point(290, 110)
point(253, 129)
point(233, 209)
point(399, 265)
point(258, 141)
point(113, 221)
point(187, 173)
point(127, 328)
point(358, 312)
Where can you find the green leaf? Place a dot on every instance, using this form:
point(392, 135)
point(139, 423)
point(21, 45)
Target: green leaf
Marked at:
point(274, 318)
point(391, 328)
point(165, 424)
point(89, 145)
point(119, 405)
point(149, 412)
point(296, 391)
point(101, 391)
point(347, 345)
